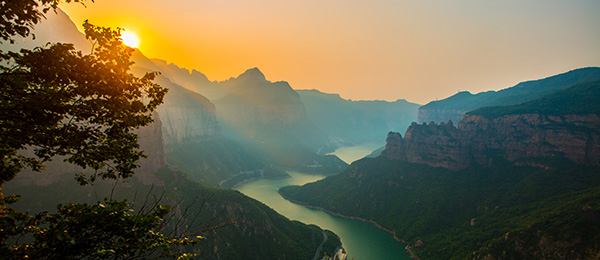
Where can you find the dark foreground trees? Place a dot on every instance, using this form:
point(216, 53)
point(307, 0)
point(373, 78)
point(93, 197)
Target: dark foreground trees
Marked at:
point(57, 101)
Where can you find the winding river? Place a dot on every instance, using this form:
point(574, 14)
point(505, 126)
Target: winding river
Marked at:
point(361, 240)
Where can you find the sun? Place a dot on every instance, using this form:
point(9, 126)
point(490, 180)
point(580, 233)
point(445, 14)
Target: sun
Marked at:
point(130, 39)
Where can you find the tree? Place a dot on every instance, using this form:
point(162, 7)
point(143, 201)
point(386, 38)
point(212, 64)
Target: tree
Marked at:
point(109, 230)
point(17, 17)
point(56, 101)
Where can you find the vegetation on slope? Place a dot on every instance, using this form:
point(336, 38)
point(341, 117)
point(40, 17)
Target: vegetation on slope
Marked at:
point(233, 226)
point(580, 99)
point(219, 162)
point(522, 92)
point(439, 206)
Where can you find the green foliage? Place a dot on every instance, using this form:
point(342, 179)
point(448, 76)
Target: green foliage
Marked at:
point(57, 101)
point(17, 18)
point(436, 205)
point(109, 230)
point(219, 162)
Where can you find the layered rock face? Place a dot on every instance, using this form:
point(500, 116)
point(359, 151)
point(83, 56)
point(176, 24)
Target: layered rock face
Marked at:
point(150, 139)
point(186, 115)
point(480, 141)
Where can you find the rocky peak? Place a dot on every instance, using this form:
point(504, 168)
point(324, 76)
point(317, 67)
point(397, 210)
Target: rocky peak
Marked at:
point(253, 74)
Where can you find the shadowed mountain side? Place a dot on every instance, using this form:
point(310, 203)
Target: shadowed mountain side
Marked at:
point(220, 162)
point(455, 107)
point(252, 230)
point(347, 122)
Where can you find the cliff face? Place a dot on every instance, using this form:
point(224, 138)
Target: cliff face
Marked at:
point(186, 115)
point(516, 138)
point(150, 139)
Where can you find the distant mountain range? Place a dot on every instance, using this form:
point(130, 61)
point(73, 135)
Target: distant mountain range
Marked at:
point(347, 122)
point(455, 107)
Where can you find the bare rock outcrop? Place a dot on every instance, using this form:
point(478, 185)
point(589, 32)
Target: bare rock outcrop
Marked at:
point(479, 140)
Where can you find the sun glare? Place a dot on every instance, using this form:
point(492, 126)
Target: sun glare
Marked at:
point(130, 39)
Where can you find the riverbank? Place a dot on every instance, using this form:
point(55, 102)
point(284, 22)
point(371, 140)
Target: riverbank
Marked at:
point(344, 216)
point(408, 248)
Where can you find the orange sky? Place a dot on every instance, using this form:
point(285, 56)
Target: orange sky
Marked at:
point(379, 49)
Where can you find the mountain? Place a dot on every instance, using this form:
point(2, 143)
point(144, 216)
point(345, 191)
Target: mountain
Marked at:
point(515, 182)
point(347, 122)
point(270, 118)
point(455, 107)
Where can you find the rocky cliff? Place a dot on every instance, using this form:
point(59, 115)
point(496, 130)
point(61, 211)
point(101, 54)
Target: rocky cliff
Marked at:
point(150, 139)
point(186, 115)
point(517, 138)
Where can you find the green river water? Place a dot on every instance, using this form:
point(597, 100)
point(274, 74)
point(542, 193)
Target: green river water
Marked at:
point(361, 240)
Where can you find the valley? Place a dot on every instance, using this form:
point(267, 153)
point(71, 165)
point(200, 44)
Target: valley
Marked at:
point(361, 240)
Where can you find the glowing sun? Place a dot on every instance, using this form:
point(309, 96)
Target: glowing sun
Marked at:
point(130, 39)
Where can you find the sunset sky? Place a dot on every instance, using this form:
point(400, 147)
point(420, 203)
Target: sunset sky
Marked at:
point(378, 49)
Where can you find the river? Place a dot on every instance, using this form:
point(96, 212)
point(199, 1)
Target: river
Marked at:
point(361, 240)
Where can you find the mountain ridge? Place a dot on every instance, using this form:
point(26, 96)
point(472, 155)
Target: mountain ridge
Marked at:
point(455, 107)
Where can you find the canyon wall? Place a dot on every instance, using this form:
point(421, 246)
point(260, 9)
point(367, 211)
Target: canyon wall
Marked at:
point(520, 138)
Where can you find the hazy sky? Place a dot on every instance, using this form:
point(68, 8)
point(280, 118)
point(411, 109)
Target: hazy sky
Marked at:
point(377, 49)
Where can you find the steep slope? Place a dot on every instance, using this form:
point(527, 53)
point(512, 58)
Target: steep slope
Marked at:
point(455, 107)
point(251, 230)
point(57, 27)
point(517, 182)
point(347, 122)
